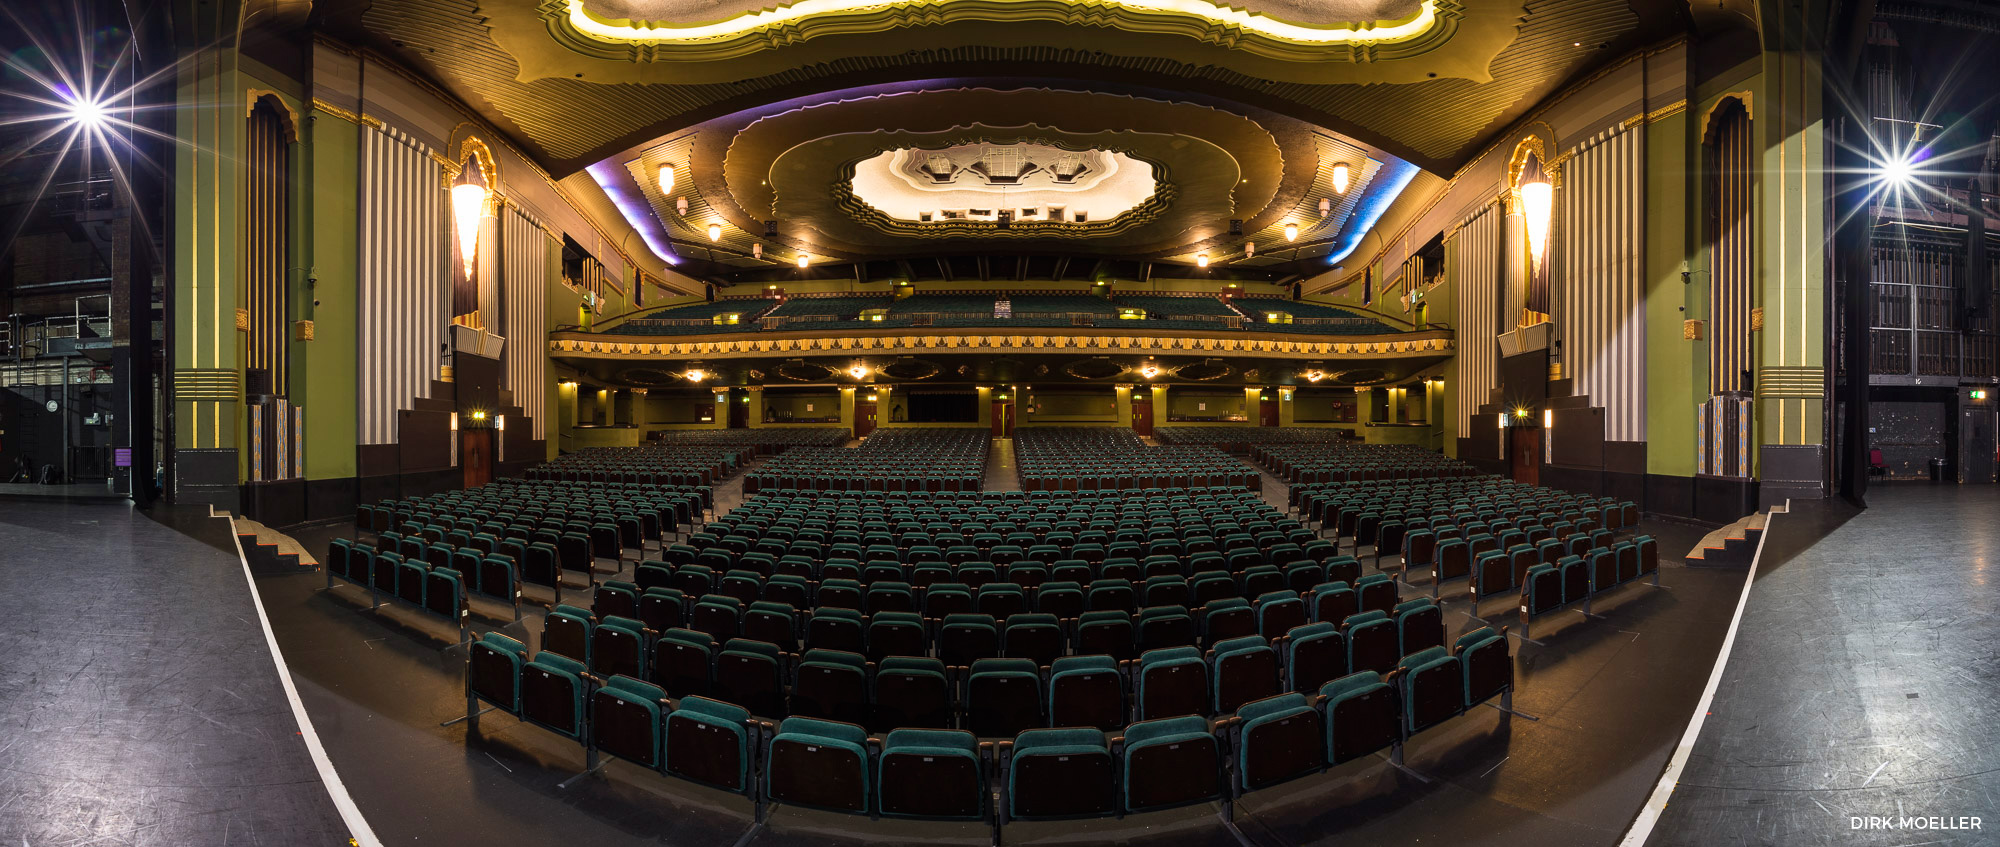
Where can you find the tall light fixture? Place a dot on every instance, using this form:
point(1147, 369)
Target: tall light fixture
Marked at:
point(1291, 232)
point(667, 178)
point(1340, 178)
point(1537, 206)
point(469, 204)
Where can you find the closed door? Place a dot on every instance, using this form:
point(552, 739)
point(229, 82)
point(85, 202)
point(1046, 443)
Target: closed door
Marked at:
point(1526, 442)
point(739, 411)
point(1003, 419)
point(1142, 414)
point(475, 447)
point(1267, 411)
point(864, 418)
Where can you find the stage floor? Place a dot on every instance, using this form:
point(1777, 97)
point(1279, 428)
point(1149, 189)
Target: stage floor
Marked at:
point(138, 700)
point(1864, 681)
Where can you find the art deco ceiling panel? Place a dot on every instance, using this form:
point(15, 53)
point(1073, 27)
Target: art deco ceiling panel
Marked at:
point(1429, 95)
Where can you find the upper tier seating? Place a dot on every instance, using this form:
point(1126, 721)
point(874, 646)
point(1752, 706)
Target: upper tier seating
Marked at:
point(897, 459)
point(1098, 458)
point(696, 319)
point(1308, 318)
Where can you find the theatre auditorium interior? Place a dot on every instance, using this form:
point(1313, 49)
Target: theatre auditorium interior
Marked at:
point(1154, 423)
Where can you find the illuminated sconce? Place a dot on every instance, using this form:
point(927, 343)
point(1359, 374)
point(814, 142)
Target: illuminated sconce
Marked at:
point(715, 232)
point(696, 374)
point(454, 421)
point(805, 259)
point(1201, 260)
point(500, 423)
point(1548, 418)
point(1340, 178)
point(667, 178)
point(1537, 206)
point(479, 416)
point(1520, 413)
point(872, 397)
point(858, 371)
point(1291, 232)
point(468, 205)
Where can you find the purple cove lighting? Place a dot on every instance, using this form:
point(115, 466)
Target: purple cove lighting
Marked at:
point(636, 212)
point(1396, 176)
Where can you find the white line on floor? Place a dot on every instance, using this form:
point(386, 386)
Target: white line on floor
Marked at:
point(357, 826)
point(1649, 814)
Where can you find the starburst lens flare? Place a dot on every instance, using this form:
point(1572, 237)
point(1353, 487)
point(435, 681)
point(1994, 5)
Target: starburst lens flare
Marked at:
point(88, 113)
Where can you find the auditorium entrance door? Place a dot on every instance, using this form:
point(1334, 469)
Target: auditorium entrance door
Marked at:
point(864, 418)
point(1142, 412)
point(1525, 445)
point(1003, 419)
point(475, 447)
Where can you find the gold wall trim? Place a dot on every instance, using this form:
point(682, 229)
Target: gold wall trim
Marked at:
point(207, 384)
point(1430, 343)
point(1783, 382)
point(1667, 111)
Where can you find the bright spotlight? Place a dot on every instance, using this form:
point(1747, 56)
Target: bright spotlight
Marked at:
point(87, 112)
point(696, 374)
point(1899, 171)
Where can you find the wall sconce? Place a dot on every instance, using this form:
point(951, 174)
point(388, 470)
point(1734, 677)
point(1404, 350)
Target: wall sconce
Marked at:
point(1340, 178)
point(479, 416)
point(468, 205)
point(1548, 419)
point(500, 423)
point(454, 421)
point(667, 178)
point(1291, 232)
point(1538, 201)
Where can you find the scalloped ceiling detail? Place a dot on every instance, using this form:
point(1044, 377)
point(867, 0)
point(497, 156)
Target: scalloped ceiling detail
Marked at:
point(979, 181)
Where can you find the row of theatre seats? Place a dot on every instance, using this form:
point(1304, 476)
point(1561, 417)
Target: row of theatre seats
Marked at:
point(1238, 439)
point(435, 551)
point(1106, 459)
point(776, 659)
point(1558, 549)
point(647, 464)
point(763, 442)
point(1319, 463)
point(899, 459)
point(1072, 770)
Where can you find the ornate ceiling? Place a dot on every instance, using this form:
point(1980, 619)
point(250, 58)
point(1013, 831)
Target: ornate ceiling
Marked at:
point(1227, 121)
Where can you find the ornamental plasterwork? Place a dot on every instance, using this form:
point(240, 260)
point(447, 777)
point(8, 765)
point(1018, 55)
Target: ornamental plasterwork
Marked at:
point(1433, 343)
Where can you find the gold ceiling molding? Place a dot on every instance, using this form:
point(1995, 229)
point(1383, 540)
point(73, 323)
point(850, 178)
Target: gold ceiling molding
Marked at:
point(1402, 345)
point(574, 26)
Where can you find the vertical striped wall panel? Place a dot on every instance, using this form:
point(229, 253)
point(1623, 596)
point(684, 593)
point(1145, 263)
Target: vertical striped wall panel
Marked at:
point(1599, 307)
point(1473, 257)
point(524, 293)
point(403, 279)
point(1731, 260)
point(267, 205)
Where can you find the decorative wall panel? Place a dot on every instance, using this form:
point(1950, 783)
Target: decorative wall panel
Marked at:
point(404, 293)
point(1472, 256)
point(1598, 304)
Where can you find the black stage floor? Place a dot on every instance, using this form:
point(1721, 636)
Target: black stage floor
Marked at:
point(138, 700)
point(1613, 696)
point(1864, 681)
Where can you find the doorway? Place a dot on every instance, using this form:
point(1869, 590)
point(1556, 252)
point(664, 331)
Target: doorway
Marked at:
point(739, 410)
point(1525, 443)
point(1142, 412)
point(1267, 411)
point(864, 418)
point(475, 447)
point(1003, 419)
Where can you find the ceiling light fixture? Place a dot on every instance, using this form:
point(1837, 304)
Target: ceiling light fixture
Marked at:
point(667, 178)
point(1249, 249)
point(715, 232)
point(805, 259)
point(1291, 232)
point(1149, 371)
point(1340, 178)
point(696, 374)
point(858, 371)
point(1201, 260)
